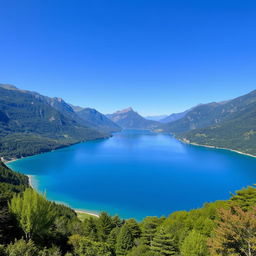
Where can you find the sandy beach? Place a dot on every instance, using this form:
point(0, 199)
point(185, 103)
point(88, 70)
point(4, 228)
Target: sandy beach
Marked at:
point(86, 212)
point(9, 161)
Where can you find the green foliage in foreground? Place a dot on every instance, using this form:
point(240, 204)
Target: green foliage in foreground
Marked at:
point(33, 212)
point(44, 228)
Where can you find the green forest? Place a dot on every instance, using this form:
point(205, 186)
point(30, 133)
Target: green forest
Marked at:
point(30, 225)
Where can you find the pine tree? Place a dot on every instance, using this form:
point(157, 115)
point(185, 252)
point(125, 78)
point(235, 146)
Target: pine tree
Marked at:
point(113, 237)
point(163, 243)
point(245, 198)
point(117, 222)
point(134, 228)
point(105, 225)
point(149, 228)
point(124, 241)
point(90, 228)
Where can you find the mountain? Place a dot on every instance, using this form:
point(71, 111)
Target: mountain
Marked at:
point(98, 120)
point(156, 118)
point(230, 124)
point(75, 108)
point(31, 123)
point(129, 119)
point(174, 117)
point(85, 116)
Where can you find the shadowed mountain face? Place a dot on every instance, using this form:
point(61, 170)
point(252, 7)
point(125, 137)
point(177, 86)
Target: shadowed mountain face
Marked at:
point(98, 120)
point(230, 124)
point(129, 119)
point(31, 123)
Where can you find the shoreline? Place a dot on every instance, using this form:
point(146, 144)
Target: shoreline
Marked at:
point(30, 179)
point(86, 212)
point(54, 149)
point(215, 147)
point(9, 161)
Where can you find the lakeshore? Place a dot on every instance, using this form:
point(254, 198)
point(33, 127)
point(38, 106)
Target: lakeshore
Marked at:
point(87, 213)
point(78, 211)
point(98, 175)
point(215, 147)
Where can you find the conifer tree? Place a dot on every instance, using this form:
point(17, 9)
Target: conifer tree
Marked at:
point(90, 228)
point(134, 228)
point(149, 228)
point(105, 226)
point(113, 237)
point(117, 222)
point(245, 198)
point(124, 241)
point(163, 243)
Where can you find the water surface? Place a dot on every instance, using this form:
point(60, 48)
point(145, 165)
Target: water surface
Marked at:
point(138, 173)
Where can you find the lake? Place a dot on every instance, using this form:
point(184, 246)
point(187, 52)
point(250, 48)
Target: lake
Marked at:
point(137, 174)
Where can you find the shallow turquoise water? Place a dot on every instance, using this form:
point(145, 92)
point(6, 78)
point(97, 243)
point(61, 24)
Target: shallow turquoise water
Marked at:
point(138, 173)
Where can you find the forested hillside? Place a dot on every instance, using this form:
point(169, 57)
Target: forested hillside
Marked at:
point(31, 123)
point(32, 226)
point(98, 120)
point(229, 124)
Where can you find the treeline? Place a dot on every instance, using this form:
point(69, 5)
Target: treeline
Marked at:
point(31, 225)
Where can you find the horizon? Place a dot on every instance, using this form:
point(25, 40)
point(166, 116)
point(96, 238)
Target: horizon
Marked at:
point(158, 57)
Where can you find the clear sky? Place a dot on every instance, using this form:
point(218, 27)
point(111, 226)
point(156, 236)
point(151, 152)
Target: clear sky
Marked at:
point(158, 56)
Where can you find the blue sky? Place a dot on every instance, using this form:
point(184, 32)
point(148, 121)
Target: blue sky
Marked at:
point(157, 56)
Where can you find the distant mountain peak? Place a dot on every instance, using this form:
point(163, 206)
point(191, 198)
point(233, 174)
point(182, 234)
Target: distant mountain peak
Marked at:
point(58, 99)
point(8, 86)
point(129, 119)
point(130, 109)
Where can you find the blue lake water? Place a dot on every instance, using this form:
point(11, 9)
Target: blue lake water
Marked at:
point(138, 173)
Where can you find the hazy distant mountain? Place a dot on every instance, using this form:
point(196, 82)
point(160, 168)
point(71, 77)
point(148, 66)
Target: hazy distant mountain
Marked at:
point(176, 116)
point(198, 117)
point(230, 124)
point(129, 119)
point(156, 118)
point(98, 120)
point(173, 117)
point(76, 108)
point(31, 123)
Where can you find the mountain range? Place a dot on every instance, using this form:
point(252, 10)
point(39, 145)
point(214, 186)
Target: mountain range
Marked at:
point(129, 119)
point(31, 123)
point(230, 124)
